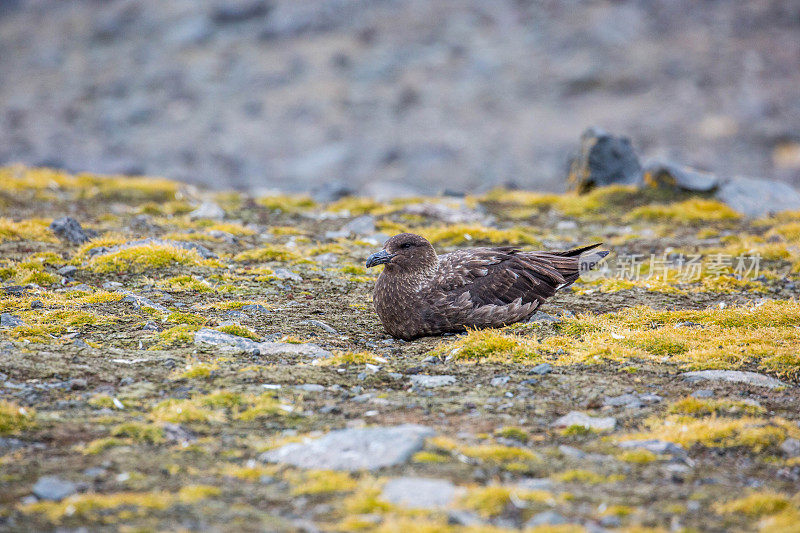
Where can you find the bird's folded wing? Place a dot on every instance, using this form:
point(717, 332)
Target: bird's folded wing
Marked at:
point(497, 276)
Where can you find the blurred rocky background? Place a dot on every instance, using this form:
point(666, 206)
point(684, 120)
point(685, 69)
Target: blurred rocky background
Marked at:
point(395, 96)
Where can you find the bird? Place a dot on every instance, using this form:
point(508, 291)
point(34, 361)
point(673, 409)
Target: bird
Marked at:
point(420, 293)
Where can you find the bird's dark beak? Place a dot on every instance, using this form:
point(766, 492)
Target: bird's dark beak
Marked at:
point(379, 258)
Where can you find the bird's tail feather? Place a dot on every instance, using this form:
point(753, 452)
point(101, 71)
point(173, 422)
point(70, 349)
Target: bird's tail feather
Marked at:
point(589, 261)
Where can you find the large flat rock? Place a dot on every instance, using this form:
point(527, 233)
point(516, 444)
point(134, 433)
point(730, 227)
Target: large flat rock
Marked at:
point(734, 376)
point(354, 449)
point(757, 197)
point(419, 492)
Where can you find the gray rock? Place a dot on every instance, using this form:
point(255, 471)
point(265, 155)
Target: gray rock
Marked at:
point(499, 381)
point(603, 160)
point(208, 210)
point(546, 518)
point(419, 492)
point(285, 273)
point(53, 488)
point(69, 229)
point(757, 197)
point(610, 521)
point(354, 449)
point(541, 369)
point(7, 320)
point(305, 349)
point(672, 175)
point(227, 341)
point(67, 270)
point(310, 387)
point(178, 433)
point(426, 381)
point(543, 318)
point(659, 447)
point(535, 483)
point(139, 301)
point(630, 401)
point(791, 447)
point(252, 309)
point(321, 325)
point(235, 11)
point(734, 376)
point(363, 225)
point(78, 383)
point(702, 393)
point(230, 238)
point(328, 258)
point(459, 517)
point(577, 418)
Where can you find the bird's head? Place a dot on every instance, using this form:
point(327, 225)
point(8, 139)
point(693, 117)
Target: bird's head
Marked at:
point(405, 252)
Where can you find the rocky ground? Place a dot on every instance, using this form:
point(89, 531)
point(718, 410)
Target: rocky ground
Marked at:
point(421, 95)
point(180, 360)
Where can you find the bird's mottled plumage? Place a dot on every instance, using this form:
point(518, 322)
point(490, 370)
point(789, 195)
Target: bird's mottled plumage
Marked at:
point(419, 293)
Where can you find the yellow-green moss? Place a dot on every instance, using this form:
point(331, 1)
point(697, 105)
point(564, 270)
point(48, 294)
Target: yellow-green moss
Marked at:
point(14, 419)
point(183, 411)
point(44, 326)
point(492, 500)
point(488, 344)
point(132, 190)
point(26, 230)
point(349, 358)
point(600, 202)
point(240, 331)
point(145, 257)
point(512, 432)
point(199, 371)
point(139, 432)
point(286, 203)
point(756, 504)
point(270, 252)
point(98, 446)
point(176, 335)
point(430, 457)
point(755, 434)
point(263, 406)
point(185, 283)
point(177, 317)
point(637, 456)
point(586, 477)
point(107, 508)
point(172, 208)
point(693, 210)
point(321, 482)
point(704, 407)
point(461, 234)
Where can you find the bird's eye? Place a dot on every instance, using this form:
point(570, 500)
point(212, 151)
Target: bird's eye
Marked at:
point(405, 245)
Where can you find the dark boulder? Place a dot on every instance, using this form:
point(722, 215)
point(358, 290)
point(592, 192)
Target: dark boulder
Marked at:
point(603, 159)
point(69, 229)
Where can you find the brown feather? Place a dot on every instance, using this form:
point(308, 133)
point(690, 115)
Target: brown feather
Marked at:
point(420, 293)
